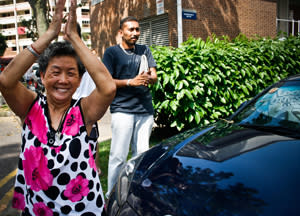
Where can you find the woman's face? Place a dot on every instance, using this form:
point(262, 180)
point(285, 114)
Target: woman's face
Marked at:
point(61, 78)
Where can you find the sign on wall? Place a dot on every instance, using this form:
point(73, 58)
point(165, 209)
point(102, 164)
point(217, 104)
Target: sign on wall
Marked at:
point(160, 7)
point(189, 14)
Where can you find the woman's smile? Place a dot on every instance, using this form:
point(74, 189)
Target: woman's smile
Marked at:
point(61, 78)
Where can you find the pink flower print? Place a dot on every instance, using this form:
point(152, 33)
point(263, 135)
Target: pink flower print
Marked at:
point(18, 201)
point(73, 122)
point(91, 160)
point(77, 188)
point(40, 209)
point(37, 123)
point(36, 172)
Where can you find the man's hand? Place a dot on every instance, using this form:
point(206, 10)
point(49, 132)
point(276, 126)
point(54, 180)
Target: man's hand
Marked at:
point(142, 79)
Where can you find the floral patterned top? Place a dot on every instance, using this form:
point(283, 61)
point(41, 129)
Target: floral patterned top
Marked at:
point(57, 176)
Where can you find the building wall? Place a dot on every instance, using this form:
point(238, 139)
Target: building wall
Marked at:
point(213, 17)
point(7, 25)
point(226, 17)
point(231, 17)
point(171, 9)
point(257, 17)
point(106, 16)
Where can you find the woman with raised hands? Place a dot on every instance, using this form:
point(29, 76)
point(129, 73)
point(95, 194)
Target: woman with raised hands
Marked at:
point(57, 172)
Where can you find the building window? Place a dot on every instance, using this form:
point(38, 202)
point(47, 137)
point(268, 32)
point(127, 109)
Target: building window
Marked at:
point(154, 31)
point(85, 11)
point(11, 37)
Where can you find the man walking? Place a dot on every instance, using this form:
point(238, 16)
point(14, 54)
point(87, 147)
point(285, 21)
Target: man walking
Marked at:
point(131, 110)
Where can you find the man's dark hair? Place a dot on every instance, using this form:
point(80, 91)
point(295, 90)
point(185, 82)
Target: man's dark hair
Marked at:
point(57, 49)
point(127, 19)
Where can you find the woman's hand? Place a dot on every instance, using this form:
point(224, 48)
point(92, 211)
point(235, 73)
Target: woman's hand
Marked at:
point(71, 25)
point(55, 25)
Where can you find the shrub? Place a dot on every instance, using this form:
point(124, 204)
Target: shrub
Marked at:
point(202, 81)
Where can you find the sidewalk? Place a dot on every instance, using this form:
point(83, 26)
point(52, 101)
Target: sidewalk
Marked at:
point(104, 127)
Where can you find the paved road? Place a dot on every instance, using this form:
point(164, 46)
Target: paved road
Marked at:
point(10, 139)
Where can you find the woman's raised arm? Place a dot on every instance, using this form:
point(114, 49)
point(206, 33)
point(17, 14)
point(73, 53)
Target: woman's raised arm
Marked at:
point(95, 105)
point(17, 96)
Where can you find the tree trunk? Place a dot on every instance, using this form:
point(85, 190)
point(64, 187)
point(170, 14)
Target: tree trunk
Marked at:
point(39, 8)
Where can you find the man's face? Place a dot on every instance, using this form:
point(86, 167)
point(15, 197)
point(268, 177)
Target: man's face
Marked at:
point(130, 32)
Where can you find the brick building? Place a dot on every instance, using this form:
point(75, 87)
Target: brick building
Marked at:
point(161, 25)
point(13, 12)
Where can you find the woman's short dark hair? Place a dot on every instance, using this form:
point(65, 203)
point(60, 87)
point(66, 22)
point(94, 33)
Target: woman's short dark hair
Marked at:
point(57, 49)
point(127, 19)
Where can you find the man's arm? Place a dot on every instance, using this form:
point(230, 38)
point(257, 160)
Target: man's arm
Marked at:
point(143, 79)
point(152, 75)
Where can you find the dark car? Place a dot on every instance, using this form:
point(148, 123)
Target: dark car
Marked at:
point(248, 164)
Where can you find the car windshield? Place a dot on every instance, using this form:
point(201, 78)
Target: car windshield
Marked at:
point(278, 109)
point(274, 115)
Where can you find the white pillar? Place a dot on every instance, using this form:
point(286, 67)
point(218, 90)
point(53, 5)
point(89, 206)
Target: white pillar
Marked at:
point(179, 22)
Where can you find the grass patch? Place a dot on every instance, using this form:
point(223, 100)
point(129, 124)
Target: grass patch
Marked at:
point(104, 148)
point(4, 107)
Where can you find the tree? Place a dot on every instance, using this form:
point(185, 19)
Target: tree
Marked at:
point(39, 23)
point(40, 15)
point(3, 44)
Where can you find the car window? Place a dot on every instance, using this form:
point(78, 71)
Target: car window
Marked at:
point(282, 103)
point(279, 107)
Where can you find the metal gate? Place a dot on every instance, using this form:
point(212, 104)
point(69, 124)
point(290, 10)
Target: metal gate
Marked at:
point(293, 26)
point(155, 31)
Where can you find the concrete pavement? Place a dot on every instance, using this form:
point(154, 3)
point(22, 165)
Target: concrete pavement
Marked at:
point(10, 139)
point(104, 127)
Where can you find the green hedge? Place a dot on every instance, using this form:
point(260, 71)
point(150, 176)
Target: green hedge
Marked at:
point(203, 81)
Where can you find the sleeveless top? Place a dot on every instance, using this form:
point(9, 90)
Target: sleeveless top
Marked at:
point(57, 175)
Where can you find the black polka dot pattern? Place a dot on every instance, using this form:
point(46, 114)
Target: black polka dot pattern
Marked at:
point(75, 148)
point(79, 207)
point(63, 180)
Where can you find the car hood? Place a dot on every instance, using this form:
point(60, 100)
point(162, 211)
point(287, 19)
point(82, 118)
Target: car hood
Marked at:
point(225, 169)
